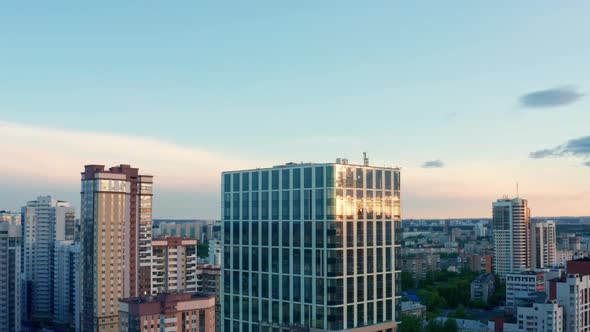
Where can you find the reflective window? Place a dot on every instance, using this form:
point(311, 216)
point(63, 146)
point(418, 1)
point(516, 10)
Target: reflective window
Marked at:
point(307, 234)
point(245, 181)
point(369, 178)
point(264, 208)
point(319, 177)
point(245, 206)
point(254, 205)
point(264, 263)
point(296, 234)
point(285, 234)
point(286, 260)
point(236, 206)
point(359, 178)
point(378, 179)
point(275, 205)
point(330, 178)
point(307, 205)
point(264, 180)
point(319, 203)
point(255, 181)
point(285, 179)
point(226, 182)
point(296, 178)
point(388, 180)
point(275, 179)
point(296, 204)
point(307, 177)
point(275, 234)
point(285, 211)
point(274, 266)
point(236, 182)
point(245, 233)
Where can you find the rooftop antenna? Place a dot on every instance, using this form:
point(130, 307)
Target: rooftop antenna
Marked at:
point(365, 159)
point(517, 193)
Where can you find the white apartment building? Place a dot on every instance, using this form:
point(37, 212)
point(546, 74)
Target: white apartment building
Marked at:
point(543, 244)
point(511, 225)
point(45, 220)
point(540, 317)
point(521, 286)
point(573, 293)
point(215, 252)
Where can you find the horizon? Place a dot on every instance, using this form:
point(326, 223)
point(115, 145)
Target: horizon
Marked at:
point(466, 106)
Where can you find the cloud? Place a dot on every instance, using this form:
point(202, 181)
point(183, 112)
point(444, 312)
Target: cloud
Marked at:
point(550, 98)
point(578, 147)
point(58, 156)
point(433, 164)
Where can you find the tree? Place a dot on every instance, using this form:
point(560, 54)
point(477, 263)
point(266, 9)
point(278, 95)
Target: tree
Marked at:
point(203, 250)
point(450, 326)
point(407, 280)
point(411, 323)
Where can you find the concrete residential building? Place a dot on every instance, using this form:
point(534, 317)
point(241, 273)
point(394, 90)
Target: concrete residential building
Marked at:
point(522, 287)
point(573, 294)
point(512, 244)
point(45, 220)
point(419, 265)
point(311, 245)
point(10, 278)
point(483, 287)
point(209, 281)
point(115, 227)
point(480, 263)
point(168, 312)
point(66, 284)
point(215, 252)
point(543, 244)
point(174, 265)
point(539, 317)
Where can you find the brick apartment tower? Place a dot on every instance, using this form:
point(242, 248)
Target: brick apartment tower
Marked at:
point(116, 231)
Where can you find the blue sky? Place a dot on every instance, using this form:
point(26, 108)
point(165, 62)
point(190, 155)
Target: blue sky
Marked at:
point(266, 82)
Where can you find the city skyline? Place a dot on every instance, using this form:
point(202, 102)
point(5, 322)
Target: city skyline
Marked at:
point(189, 91)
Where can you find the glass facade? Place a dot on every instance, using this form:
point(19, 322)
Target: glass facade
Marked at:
point(315, 247)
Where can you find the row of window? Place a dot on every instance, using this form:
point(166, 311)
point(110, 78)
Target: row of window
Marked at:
point(271, 315)
point(309, 177)
point(301, 234)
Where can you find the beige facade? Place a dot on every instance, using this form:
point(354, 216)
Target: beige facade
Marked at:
point(111, 243)
point(174, 265)
point(169, 312)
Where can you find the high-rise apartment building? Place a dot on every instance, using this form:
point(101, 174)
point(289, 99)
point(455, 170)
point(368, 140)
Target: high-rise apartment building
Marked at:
point(512, 241)
point(66, 284)
point(311, 246)
point(168, 312)
point(10, 279)
point(44, 221)
point(174, 265)
point(543, 244)
point(116, 230)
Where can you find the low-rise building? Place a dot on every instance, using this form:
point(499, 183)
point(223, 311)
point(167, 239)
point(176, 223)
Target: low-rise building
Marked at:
point(483, 287)
point(413, 308)
point(168, 312)
point(521, 286)
point(466, 325)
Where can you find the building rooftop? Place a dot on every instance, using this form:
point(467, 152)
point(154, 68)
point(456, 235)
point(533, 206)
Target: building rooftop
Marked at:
point(465, 324)
point(484, 278)
point(411, 305)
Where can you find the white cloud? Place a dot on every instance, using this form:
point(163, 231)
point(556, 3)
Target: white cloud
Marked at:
point(52, 155)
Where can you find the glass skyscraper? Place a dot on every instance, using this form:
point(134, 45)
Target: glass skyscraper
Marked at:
point(311, 247)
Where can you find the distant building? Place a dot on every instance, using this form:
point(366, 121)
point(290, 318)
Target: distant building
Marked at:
point(10, 217)
point(209, 281)
point(413, 309)
point(66, 284)
point(465, 325)
point(483, 287)
point(45, 220)
point(480, 263)
point(522, 287)
point(543, 244)
point(168, 312)
point(420, 265)
point(511, 224)
point(10, 278)
point(563, 256)
point(174, 265)
point(579, 266)
point(215, 252)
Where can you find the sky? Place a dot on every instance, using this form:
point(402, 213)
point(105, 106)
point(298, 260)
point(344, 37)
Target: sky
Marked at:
point(467, 97)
